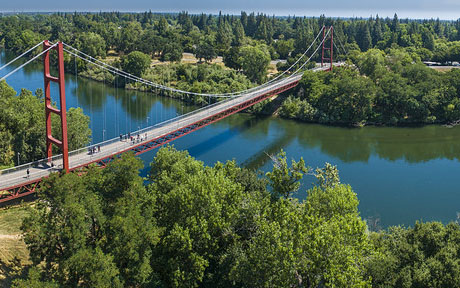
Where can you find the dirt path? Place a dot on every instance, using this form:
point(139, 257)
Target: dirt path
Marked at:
point(10, 237)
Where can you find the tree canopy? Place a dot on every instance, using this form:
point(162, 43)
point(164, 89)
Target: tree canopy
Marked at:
point(192, 226)
point(22, 126)
point(135, 63)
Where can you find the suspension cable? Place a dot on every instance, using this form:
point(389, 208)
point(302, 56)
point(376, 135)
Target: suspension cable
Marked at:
point(314, 53)
point(21, 66)
point(165, 88)
point(14, 60)
point(147, 82)
point(341, 45)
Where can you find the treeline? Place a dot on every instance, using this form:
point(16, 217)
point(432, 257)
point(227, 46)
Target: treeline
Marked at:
point(385, 82)
point(168, 35)
point(23, 129)
point(377, 88)
point(222, 226)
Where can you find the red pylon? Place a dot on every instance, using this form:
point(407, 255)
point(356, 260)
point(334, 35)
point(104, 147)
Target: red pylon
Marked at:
point(50, 140)
point(324, 57)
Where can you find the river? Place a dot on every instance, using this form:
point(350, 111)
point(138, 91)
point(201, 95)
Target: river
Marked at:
point(401, 175)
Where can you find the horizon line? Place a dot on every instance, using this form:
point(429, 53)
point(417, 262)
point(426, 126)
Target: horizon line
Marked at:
point(216, 14)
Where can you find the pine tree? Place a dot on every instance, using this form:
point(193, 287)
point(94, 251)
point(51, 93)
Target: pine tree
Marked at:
point(238, 31)
point(364, 37)
point(224, 35)
point(427, 39)
point(377, 31)
point(395, 24)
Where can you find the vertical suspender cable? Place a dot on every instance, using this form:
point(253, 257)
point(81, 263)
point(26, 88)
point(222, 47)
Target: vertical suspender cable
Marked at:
point(162, 106)
point(104, 121)
point(127, 109)
point(117, 125)
point(91, 109)
point(76, 80)
point(137, 107)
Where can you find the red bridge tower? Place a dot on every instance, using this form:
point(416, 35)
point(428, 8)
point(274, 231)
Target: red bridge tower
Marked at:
point(50, 140)
point(328, 47)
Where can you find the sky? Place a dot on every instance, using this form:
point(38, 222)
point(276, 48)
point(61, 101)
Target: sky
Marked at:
point(420, 9)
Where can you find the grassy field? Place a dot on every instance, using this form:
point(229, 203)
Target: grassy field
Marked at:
point(187, 58)
point(444, 68)
point(13, 250)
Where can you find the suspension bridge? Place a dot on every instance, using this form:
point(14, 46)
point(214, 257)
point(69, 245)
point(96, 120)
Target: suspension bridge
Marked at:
point(23, 180)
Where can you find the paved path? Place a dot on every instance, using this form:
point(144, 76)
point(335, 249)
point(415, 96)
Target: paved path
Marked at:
point(17, 176)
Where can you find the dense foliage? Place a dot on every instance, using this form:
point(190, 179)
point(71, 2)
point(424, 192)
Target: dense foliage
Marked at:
point(197, 78)
point(22, 126)
point(379, 88)
point(221, 226)
point(389, 86)
point(426, 255)
point(168, 35)
point(194, 226)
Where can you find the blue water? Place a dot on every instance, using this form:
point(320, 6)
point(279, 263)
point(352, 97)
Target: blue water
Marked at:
point(400, 174)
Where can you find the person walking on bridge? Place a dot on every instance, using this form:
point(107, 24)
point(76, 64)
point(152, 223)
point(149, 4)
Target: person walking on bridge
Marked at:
point(28, 173)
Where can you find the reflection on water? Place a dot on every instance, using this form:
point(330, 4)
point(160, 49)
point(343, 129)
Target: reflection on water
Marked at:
point(400, 174)
point(409, 144)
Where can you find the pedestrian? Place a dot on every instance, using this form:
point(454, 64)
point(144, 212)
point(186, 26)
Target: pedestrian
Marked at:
point(98, 148)
point(121, 137)
point(28, 173)
point(129, 135)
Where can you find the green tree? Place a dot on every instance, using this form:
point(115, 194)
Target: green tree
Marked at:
point(427, 39)
point(34, 280)
point(231, 58)
point(313, 86)
point(22, 125)
point(284, 48)
point(371, 63)
point(91, 43)
point(136, 63)
point(20, 40)
point(254, 61)
point(425, 255)
point(355, 96)
point(93, 230)
point(150, 43)
point(205, 50)
point(162, 26)
point(284, 179)
point(365, 42)
point(224, 35)
point(172, 52)
point(454, 51)
point(197, 206)
point(320, 242)
point(238, 31)
point(130, 34)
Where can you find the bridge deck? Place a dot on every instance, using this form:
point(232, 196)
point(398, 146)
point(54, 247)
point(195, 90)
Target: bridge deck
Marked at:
point(16, 177)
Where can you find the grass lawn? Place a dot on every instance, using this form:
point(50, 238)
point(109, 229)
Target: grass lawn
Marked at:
point(12, 247)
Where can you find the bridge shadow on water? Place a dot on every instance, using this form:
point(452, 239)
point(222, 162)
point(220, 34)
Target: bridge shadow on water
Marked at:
point(234, 128)
point(258, 160)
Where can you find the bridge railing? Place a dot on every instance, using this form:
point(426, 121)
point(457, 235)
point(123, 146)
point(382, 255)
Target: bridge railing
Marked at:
point(44, 165)
point(35, 164)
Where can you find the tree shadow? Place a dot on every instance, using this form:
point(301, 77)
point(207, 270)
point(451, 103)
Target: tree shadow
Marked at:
point(11, 270)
